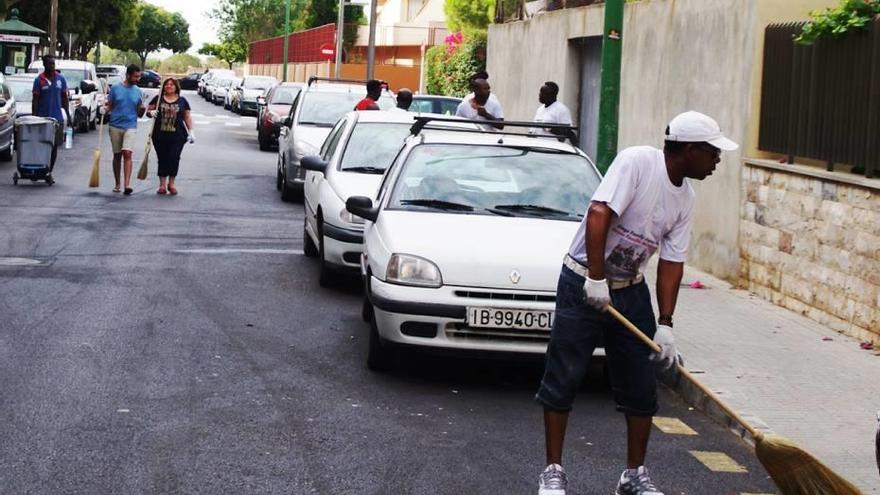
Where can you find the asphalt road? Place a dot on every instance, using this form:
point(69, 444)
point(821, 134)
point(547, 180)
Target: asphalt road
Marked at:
point(182, 345)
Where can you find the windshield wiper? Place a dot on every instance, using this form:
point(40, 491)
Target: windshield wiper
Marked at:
point(534, 210)
point(437, 203)
point(365, 170)
point(316, 124)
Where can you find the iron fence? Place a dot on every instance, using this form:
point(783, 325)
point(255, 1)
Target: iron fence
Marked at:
point(822, 101)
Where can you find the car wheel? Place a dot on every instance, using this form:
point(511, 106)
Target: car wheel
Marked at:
point(366, 309)
point(380, 354)
point(309, 248)
point(278, 178)
point(326, 277)
point(6, 155)
point(288, 194)
point(264, 145)
point(83, 125)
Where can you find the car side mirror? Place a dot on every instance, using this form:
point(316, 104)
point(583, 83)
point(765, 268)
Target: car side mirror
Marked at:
point(86, 86)
point(261, 100)
point(362, 206)
point(313, 163)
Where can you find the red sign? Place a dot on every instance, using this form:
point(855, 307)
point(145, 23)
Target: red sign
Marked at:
point(328, 51)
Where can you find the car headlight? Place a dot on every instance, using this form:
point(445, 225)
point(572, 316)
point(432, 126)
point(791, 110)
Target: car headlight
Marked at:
point(347, 217)
point(405, 269)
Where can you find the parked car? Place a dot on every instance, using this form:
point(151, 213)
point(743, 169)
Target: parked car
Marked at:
point(443, 105)
point(150, 79)
point(221, 88)
point(230, 93)
point(244, 100)
point(316, 109)
point(190, 81)
point(22, 88)
point(82, 84)
point(7, 121)
point(462, 248)
point(111, 80)
point(110, 70)
point(206, 80)
point(351, 162)
point(272, 108)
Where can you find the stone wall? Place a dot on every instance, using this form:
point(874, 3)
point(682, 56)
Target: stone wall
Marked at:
point(810, 241)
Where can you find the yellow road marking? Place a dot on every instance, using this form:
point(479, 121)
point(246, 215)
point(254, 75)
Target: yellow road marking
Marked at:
point(673, 426)
point(718, 462)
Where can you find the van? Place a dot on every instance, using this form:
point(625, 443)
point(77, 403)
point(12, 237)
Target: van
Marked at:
point(82, 87)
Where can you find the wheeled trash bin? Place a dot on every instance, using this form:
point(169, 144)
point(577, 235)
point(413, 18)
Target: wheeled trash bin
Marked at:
point(34, 144)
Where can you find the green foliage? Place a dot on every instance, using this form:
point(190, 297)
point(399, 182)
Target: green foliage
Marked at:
point(112, 56)
point(468, 14)
point(157, 29)
point(110, 21)
point(448, 69)
point(229, 52)
point(179, 63)
point(834, 22)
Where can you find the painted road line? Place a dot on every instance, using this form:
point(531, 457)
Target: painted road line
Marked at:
point(232, 124)
point(237, 251)
point(718, 462)
point(673, 426)
point(12, 261)
point(201, 122)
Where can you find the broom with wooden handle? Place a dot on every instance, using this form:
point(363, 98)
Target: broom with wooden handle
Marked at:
point(142, 172)
point(94, 178)
point(794, 470)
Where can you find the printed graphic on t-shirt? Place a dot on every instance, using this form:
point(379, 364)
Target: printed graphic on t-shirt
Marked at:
point(169, 117)
point(628, 255)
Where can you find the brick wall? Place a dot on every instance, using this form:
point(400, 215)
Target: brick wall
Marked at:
point(810, 241)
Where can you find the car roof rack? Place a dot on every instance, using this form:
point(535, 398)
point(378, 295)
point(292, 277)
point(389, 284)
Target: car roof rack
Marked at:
point(423, 121)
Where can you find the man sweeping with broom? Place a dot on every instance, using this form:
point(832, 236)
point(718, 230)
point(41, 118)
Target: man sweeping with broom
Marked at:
point(643, 204)
point(125, 105)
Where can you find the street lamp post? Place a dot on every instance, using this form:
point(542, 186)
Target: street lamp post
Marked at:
point(371, 49)
point(53, 27)
point(339, 24)
point(286, 37)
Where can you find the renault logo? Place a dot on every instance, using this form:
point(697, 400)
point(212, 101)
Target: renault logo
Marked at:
point(515, 276)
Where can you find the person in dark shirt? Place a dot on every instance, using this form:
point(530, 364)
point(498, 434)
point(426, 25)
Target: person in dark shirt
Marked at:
point(50, 98)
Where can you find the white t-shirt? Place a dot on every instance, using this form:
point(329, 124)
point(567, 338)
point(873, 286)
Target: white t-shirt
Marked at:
point(651, 212)
point(555, 113)
point(493, 106)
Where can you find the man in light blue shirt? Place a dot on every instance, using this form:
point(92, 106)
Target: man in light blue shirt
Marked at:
point(125, 105)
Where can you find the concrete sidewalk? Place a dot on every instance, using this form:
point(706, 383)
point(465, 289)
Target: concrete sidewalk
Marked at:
point(784, 372)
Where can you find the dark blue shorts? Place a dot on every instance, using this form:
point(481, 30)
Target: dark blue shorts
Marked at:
point(579, 328)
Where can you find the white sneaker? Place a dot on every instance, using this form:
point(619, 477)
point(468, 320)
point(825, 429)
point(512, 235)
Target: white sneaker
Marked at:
point(552, 481)
point(637, 483)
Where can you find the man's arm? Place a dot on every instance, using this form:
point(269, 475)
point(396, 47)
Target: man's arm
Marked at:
point(669, 274)
point(494, 121)
point(65, 105)
point(599, 216)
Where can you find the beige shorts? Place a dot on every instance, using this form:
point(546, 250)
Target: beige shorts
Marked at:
point(122, 139)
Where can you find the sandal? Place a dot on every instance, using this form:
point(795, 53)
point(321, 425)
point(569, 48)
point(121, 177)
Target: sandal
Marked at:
point(128, 191)
point(161, 190)
point(117, 189)
point(172, 190)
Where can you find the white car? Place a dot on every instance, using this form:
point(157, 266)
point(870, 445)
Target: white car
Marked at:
point(351, 162)
point(221, 89)
point(464, 245)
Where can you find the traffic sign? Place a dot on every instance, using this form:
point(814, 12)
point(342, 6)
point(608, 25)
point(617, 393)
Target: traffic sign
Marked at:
point(328, 51)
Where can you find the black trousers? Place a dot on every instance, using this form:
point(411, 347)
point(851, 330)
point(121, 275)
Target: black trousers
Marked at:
point(168, 147)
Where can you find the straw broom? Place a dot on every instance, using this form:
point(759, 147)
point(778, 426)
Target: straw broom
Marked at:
point(142, 172)
point(794, 470)
point(94, 178)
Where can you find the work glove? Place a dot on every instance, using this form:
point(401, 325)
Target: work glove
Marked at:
point(597, 293)
point(668, 355)
point(151, 113)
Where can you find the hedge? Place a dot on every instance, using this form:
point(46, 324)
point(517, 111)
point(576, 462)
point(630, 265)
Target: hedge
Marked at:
point(449, 67)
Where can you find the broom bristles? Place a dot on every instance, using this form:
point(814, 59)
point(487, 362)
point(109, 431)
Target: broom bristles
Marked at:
point(796, 472)
point(94, 178)
point(142, 173)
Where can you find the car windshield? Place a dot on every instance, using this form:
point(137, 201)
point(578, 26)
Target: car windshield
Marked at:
point(495, 180)
point(284, 96)
point(372, 146)
point(254, 83)
point(73, 77)
point(325, 108)
point(22, 91)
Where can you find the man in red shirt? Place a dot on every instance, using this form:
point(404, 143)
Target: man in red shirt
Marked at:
point(374, 91)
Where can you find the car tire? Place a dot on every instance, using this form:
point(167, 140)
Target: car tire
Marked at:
point(288, 194)
point(83, 126)
point(264, 146)
point(6, 155)
point(278, 178)
point(380, 354)
point(309, 247)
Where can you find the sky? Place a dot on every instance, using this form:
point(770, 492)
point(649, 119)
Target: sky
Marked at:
point(201, 29)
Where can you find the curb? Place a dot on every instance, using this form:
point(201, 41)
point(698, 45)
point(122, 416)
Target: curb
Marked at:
point(695, 397)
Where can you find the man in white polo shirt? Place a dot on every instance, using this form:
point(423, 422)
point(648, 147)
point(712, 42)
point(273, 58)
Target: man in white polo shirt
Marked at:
point(481, 105)
point(551, 111)
point(643, 204)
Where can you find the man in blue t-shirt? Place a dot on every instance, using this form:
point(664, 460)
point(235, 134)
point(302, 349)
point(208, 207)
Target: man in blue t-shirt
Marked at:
point(125, 105)
point(50, 98)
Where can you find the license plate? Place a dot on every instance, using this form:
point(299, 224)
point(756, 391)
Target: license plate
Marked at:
point(521, 319)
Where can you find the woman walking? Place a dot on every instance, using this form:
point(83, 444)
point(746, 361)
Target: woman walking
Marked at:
point(170, 132)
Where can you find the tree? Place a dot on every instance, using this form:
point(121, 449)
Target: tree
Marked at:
point(179, 63)
point(468, 14)
point(110, 21)
point(157, 29)
point(231, 53)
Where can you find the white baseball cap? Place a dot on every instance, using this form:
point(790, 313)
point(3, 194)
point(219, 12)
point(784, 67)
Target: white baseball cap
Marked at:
point(695, 127)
